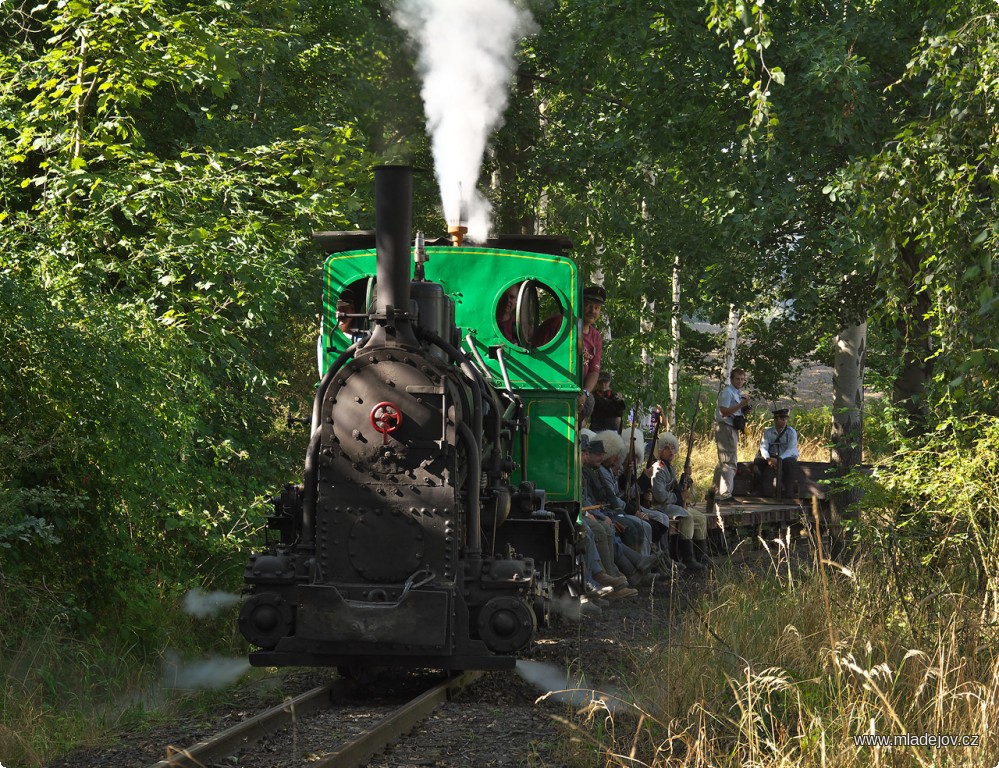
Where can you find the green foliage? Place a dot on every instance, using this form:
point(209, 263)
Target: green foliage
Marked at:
point(927, 200)
point(156, 280)
point(163, 163)
point(162, 166)
point(930, 514)
point(870, 179)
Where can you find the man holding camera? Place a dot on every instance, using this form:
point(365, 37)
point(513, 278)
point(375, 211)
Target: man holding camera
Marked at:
point(730, 420)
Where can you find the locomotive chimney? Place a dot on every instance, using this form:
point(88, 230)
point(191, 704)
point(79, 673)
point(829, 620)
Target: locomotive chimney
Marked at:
point(456, 228)
point(457, 232)
point(393, 218)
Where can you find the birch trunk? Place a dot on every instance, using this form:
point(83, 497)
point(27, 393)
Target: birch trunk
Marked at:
point(674, 361)
point(79, 106)
point(848, 417)
point(731, 339)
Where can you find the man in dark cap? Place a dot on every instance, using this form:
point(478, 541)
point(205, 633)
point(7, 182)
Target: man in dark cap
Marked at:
point(594, 297)
point(778, 456)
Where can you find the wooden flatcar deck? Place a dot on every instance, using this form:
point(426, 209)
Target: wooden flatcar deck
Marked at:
point(750, 515)
point(754, 511)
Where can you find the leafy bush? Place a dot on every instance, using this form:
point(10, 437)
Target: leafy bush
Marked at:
point(930, 517)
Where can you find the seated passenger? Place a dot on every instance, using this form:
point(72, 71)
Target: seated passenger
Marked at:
point(603, 562)
point(634, 484)
point(671, 498)
point(635, 530)
point(626, 558)
point(777, 461)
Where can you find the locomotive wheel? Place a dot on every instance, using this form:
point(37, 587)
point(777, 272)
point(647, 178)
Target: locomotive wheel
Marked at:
point(506, 624)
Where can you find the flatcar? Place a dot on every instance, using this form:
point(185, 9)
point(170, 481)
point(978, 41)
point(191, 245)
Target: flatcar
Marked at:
point(435, 520)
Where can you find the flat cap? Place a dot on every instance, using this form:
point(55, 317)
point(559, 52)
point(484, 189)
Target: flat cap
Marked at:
point(594, 294)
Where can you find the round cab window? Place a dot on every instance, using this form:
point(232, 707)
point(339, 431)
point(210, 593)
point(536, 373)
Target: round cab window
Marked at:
point(529, 315)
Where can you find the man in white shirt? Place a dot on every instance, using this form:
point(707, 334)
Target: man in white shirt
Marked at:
point(778, 456)
point(731, 404)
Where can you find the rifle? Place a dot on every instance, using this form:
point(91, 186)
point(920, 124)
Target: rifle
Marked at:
point(646, 487)
point(631, 467)
point(657, 422)
point(686, 482)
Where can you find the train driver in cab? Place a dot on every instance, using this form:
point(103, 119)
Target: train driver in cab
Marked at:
point(506, 313)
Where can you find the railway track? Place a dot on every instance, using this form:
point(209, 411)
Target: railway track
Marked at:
point(329, 745)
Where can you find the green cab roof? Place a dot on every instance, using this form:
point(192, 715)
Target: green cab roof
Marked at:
point(475, 277)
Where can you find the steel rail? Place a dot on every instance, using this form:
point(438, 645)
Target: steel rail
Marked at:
point(249, 731)
point(353, 753)
point(359, 749)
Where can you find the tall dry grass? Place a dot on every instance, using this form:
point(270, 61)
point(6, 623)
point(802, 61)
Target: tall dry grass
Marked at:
point(784, 660)
point(752, 679)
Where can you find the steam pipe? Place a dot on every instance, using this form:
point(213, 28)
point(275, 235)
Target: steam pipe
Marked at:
point(473, 532)
point(311, 477)
point(475, 353)
point(310, 490)
point(475, 376)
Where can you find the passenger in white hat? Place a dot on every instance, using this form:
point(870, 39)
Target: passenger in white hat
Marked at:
point(670, 497)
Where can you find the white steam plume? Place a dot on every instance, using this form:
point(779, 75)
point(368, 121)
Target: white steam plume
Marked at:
point(557, 685)
point(204, 605)
point(215, 672)
point(465, 57)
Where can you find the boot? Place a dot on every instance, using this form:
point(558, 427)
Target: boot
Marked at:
point(646, 564)
point(701, 552)
point(625, 565)
point(607, 580)
point(685, 549)
point(595, 591)
point(617, 594)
